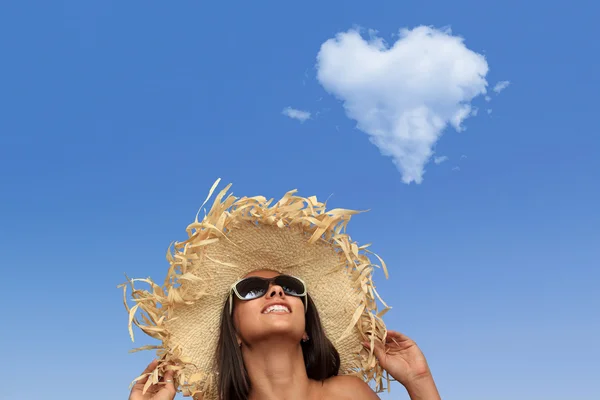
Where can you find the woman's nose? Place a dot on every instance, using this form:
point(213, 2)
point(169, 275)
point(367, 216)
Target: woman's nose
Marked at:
point(275, 291)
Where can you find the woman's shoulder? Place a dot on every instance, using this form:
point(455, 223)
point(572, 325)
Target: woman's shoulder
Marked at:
point(346, 387)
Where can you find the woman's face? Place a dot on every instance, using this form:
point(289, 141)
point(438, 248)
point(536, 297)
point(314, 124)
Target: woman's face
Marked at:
point(255, 320)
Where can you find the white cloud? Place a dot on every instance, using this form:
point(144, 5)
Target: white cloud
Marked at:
point(439, 160)
point(300, 115)
point(404, 95)
point(500, 86)
point(457, 168)
point(488, 98)
point(489, 111)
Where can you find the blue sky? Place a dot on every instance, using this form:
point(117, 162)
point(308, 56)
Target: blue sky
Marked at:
point(117, 117)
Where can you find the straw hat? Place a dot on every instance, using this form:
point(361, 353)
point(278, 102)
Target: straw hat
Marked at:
point(295, 236)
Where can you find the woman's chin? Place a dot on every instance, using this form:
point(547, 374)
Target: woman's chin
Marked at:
point(279, 329)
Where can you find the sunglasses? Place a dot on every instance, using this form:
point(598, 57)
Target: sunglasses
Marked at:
point(255, 287)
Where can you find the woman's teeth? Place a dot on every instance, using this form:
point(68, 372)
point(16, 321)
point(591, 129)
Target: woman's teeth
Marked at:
point(277, 308)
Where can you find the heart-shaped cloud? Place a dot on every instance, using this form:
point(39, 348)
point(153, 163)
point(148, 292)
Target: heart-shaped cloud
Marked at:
point(403, 95)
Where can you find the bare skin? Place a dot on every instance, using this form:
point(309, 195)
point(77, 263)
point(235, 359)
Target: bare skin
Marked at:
point(162, 391)
point(404, 361)
point(272, 354)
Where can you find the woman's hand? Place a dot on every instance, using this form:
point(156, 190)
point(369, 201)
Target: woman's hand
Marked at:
point(163, 391)
point(405, 362)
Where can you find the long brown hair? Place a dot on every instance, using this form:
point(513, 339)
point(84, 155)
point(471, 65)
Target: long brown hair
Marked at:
point(321, 358)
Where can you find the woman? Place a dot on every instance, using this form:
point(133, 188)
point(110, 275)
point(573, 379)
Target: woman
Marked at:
point(271, 341)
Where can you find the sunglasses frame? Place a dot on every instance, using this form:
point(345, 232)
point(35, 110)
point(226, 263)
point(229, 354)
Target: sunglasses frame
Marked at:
point(271, 281)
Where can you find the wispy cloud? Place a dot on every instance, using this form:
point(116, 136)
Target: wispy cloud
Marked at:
point(294, 113)
point(403, 95)
point(500, 86)
point(439, 160)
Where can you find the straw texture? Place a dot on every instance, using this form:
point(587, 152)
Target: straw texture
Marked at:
point(296, 236)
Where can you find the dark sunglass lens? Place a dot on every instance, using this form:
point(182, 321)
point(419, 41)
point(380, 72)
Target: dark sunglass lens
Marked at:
point(290, 285)
point(252, 288)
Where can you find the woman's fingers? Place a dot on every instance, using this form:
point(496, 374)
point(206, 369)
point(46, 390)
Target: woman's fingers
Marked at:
point(395, 335)
point(169, 384)
point(378, 349)
point(151, 366)
point(148, 369)
point(393, 342)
